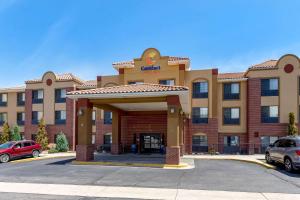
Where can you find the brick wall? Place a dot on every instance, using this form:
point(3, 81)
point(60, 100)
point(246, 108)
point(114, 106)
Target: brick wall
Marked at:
point(52, 130)
point(256, 129)
point(145, 123)
point(101, 129)
point(210, 129)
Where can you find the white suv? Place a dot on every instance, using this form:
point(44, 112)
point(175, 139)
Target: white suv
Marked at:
point(285, 150)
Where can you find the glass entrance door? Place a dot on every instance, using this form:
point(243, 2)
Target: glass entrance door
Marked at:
point(150, 143)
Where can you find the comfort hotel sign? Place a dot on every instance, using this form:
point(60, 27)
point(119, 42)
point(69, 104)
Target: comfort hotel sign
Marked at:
point(151, 60)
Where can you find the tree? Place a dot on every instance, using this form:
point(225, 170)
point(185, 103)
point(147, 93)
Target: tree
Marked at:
point(62, 144)
point(292, 128)
point(15, 133)
point(6, 132)
point(41, 135)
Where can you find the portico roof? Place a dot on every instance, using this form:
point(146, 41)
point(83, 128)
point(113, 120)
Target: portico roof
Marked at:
point(134, 91)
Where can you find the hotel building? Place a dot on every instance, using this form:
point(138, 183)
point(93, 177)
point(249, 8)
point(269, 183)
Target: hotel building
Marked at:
point(158, 104)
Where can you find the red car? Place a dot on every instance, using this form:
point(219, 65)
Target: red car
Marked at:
point(11, 150)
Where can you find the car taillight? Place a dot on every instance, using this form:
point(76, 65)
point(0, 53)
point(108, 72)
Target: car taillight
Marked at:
point(298, 152)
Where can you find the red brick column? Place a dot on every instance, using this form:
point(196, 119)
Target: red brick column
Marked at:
point(173, 132)
point(84, 149)
point(85, 152)
point(116, 132)
point(173, 155)
point(253, 111)
point(28, 128)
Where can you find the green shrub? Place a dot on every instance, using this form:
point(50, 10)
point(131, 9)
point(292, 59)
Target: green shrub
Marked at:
point(53, 151)
point(41, 135)
point(4, 137)
point(292, 127)
point(62, 144)
point(15, 134)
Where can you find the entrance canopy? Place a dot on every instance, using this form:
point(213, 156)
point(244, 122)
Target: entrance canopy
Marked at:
point(136, 97)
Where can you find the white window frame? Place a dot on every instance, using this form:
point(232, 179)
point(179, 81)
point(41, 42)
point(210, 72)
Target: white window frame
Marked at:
point(273, 111)
point(63, 115)
point(4, 97)
point(40, 115)
point(203, 87)
point(40, 94)
point(273, 84)
point(203, 112)
point(23, 96)
point(235, 113)
point(4, 116)
point(235, 86)
point(63, 93)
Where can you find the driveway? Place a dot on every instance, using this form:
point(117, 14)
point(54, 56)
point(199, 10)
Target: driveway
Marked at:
point(219, 175)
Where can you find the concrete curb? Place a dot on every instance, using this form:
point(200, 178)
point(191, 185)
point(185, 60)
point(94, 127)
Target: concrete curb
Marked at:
point(126, 164)
point(39, 158)
point(266, 165)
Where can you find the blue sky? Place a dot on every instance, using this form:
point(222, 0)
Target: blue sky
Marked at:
point(85, 37)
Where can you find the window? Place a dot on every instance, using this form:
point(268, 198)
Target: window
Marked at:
point(199, 143)
point(199, 140)
point(199, 115)
point(265, 141)
point(60, 95)
point(26, 144)
point(290, 143)
point(107, 139)
point(37, 96)
point(135, 82)
point(230, 141)
point(231, 91)
point(20, 99)
point(94, 117)
point(3, 100)
point(200, 90)
point(269, 87)
point(20, 118)
point(3, 118)
point(269, 114)
point(36, 117)
point(107, 117)
point(167, 82)
point(60, 117)
point(231, 116)
point(93, 139)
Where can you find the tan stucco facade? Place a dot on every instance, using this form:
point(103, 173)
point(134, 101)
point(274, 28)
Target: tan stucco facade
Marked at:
point(12, 109)
point(288, 99)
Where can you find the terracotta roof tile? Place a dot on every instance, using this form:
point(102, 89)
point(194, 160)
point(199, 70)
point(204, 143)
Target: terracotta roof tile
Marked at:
point(237, 75)
point(88, 84)
point(171, 59)
point(60, 77)
point(135, 88)
point(269, 64)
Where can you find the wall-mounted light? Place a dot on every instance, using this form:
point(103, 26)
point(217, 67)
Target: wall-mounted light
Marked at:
point(80, 112)
point(172, 110)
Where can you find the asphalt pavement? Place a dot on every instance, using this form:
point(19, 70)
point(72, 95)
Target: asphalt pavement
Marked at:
point(219, 175)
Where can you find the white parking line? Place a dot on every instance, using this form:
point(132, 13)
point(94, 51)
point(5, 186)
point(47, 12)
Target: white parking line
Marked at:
point(137, 192)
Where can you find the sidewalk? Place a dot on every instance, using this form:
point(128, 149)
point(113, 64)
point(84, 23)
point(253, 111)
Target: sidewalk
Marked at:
point(256, 158)
point(138, 192)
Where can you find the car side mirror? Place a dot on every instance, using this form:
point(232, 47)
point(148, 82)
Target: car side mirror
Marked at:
point(271, 145)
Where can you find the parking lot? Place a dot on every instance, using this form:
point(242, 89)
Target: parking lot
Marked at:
point(218, 175)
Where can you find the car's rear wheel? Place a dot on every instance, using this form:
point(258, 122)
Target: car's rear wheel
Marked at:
point(268, 158)
point(35, 153)
point(4, 158)
point(288, 165)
